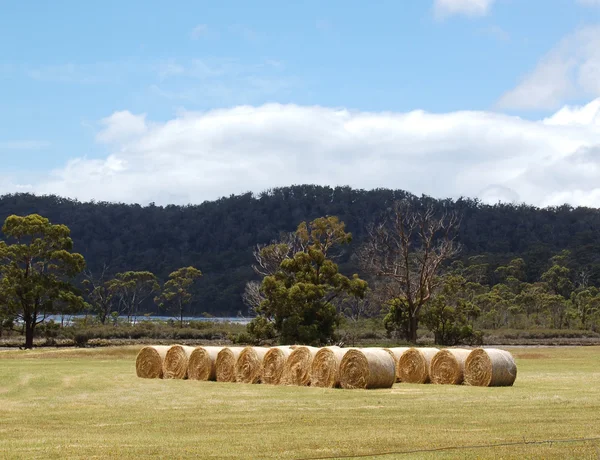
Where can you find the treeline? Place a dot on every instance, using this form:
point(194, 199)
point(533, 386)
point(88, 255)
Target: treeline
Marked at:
point(218, 236)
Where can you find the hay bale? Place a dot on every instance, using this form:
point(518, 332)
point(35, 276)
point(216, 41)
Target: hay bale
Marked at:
point(225, 363)
point(248, 367)
point(324, 370)
point(201, 365)
point(413, 365)
point(149, 361)
point(176, 362)
point(397, 352)
point(367, 368)
point(273, 364)
point(297, 367)
point(490, 367)
point(448, 366)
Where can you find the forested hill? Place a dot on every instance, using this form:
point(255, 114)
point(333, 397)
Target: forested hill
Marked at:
point(218, 236)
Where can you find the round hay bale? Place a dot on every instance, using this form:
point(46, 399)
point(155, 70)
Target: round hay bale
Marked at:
point(367, 368)
point(448, 366)
point(176, 360)
point(225, 363)
point(273, 364)
point(297, 367)
point(413, 365)
point(248, 367)
point(201, 365)
point(324, 370)
point(149, 361)
point(397, 352)
point(490, 367)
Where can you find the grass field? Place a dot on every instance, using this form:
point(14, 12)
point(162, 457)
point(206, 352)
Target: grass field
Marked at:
point(88, 403)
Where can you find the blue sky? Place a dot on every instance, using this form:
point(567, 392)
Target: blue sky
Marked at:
point(66, 66)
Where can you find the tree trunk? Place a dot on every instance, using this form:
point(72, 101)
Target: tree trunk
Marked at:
point(29, 328)
point(413, 325)
point(181, 317)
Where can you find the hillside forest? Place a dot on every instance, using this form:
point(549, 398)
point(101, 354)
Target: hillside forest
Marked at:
point(508, 265)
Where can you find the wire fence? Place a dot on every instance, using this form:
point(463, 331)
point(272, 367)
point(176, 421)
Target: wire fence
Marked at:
point(454, 448)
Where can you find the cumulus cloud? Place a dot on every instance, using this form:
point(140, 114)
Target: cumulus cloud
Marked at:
point(23, 145)
point(200, 156)
point(445, 8)
point(570, 70)
point(199, 31)
point(121, 126)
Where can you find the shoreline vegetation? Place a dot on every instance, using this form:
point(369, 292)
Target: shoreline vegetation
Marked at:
point(414, 281)
point(229, 332)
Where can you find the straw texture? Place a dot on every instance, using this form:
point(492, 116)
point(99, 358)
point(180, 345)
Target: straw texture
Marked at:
point(490, 367)
point(273, 364)
point(367, 368)
point(397, 352)
point(413, 365)
point(149, 361)
point(225, 363)
point(176, 362)
point(248, 367)
point(201, 365)
point(297, 367)
point(448, 366)
point(325, 366)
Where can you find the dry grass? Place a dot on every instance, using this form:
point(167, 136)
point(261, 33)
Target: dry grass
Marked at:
point(90, 404)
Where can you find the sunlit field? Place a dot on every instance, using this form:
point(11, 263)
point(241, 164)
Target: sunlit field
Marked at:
point(88, 403)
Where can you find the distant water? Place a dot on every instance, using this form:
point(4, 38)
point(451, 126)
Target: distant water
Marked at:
point(66, 319)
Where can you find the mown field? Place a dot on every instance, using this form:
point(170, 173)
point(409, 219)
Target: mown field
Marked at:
point(88, 403)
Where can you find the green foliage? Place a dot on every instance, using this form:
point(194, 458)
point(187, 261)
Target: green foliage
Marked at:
point(300, 295)
point(176, 291)
point(397, 320)
point(261, 330)
point(131, 289)
point(222, 234)
point(451, 313)
point(586, 304)
point(36, 271)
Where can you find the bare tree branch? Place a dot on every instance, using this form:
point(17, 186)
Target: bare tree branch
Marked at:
point(408, 248)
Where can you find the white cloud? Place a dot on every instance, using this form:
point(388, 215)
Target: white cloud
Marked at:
point(445, 8)
point(589, 2)
point(201, 30)
point(200, 156)
point(218, 82)
point(495, 32)
point(121, 127)
point(83, 74)
point(23, 145)
point(570, 70)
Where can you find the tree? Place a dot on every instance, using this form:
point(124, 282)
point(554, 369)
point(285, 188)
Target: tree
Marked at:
point(99, 293)
point(300, 296)
point(496, 306)
point(131, 289)
point(408, 247)
point(451, 313)
point(176, 291)
point(268, 260)
point(586, 303)
point(36, 270)
point(557, 278)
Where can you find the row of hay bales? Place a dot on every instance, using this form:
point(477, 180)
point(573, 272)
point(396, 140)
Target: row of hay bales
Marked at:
point(329, 367)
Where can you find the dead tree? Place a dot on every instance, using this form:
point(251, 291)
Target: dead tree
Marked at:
point(268, 260)
point(407, 249)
